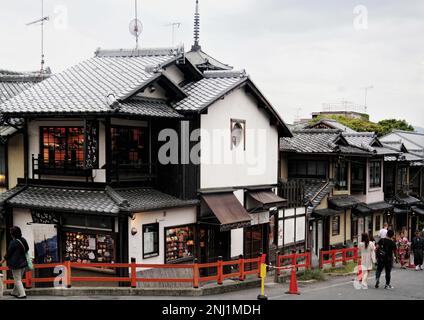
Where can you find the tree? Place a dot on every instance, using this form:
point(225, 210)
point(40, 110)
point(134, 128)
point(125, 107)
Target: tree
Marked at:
point(393, 124)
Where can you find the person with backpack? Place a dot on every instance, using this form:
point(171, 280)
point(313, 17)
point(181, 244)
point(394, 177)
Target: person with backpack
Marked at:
point(417, 247)
point(386, 248)
point(367, 252)
point(17, 261)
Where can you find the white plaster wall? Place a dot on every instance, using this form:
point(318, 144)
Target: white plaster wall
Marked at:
point(237, 235)
point(168, 218)
point(21, 218)
point(372, 195)
point(220, 166)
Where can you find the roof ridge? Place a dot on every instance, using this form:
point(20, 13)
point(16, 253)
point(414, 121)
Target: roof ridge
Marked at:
point(146, 52)
point(317, 131)
point(225, 74)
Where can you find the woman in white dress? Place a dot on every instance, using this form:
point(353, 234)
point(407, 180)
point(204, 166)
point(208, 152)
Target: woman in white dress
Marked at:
point(367, 252)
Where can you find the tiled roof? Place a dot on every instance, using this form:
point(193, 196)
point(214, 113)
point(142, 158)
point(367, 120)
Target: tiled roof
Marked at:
point(148, 108)
point(4, 196)
point(361, 140)
point(341, 202)
point(65, 199)
point(311, 141)
point(146, 199)
point(203, 93)
point(84, 87)
point(203, 61)
point(333, 124)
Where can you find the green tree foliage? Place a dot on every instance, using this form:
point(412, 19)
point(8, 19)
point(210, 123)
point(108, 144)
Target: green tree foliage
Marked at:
point(363, 125)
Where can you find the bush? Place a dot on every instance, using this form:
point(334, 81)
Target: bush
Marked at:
point(348, 268)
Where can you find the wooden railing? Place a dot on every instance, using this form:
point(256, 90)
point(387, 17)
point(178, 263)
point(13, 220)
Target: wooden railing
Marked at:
point(294, 192)
point(67, 279)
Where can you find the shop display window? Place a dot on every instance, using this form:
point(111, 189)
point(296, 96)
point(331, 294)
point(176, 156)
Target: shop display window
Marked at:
point(179, 243)
point(89, 247)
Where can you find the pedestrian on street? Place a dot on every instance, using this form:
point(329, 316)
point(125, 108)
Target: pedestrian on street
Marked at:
point(403, 250)
point(383, 232)
point(367, 252)
point(16, 261)
point(417, 247)
point(386, 249)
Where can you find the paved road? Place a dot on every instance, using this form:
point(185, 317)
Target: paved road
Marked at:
point(408, 285)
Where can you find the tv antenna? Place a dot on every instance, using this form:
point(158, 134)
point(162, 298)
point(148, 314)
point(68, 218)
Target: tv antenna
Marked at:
point(41, 22)
point(366, 96)
point(136, 27)
point(173, 25)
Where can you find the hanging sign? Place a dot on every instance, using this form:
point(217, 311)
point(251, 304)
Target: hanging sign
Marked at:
point(91, 143)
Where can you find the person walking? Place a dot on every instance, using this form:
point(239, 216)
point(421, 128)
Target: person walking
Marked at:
point(16, 261)
point(417, 247)
point(403, 250)
point(385, 250)
point(367, 251)
point(383, 232)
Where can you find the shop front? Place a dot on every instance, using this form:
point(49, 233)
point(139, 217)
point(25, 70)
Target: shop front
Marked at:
point(180, 243)
point(221, 217)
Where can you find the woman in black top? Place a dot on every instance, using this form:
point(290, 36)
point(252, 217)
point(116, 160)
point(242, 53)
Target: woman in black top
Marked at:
point(16, 261)
point(386, 248)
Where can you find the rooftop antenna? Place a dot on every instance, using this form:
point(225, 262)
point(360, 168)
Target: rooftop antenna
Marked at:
point(174, 25)
point(196, 45)
point(136, 27)
point(366, 96)
point(41, 22)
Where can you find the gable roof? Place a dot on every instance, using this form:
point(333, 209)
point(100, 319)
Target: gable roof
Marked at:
point(332, 124)
point(320, 141)
point(203, 61)
point(413, 141)
point(84, 88)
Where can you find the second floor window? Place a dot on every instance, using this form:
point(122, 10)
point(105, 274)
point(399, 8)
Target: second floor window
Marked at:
point(62, 146)
point(307, 169)
point(402, 178)
point(341, 175)
point(130, 146)
point(375, 174)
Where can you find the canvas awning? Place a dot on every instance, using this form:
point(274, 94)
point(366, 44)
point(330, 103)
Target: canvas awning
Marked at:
point(228, 210)
point(267, 198)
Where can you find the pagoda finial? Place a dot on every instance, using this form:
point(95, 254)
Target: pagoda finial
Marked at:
point(196, 45)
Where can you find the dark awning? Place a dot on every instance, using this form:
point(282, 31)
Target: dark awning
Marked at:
point(343, 202)
point(228, 210)
point(267, 198)
point(380, 206)
point(401, 211)
point(406, 199)
point(325, 212)
point(362, 208)
point(418, 210)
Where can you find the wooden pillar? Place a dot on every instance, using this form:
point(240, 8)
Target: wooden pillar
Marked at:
point(108, 150)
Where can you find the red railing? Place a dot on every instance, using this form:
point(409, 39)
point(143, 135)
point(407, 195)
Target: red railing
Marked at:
point(337, 255)
point(220, 275)
point(293, 261)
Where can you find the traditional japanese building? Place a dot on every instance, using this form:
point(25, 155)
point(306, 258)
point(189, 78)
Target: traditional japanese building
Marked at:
point(109, 167)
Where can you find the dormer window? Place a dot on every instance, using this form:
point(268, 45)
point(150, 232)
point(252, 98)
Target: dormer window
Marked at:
point(238, 134)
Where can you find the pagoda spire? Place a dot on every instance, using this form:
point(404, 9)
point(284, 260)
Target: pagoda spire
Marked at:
point(196, 45)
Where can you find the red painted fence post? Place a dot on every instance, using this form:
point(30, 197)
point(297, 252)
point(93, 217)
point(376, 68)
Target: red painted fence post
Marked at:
point(133, 273)
point(28, 277)
point(333, 257)
point(196, 274)
point(241, 268)
point(220, 270)
point(355, 253)
point(68, 274)
point(344, 255)
point(308, 259)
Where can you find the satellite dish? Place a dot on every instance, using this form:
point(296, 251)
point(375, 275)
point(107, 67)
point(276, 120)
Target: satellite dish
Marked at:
point(136, 27)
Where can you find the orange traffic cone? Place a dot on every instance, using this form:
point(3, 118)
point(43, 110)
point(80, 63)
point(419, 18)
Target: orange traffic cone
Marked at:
point(293, 283)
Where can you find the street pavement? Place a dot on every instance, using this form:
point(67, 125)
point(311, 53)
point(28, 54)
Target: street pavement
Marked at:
point(408, 285)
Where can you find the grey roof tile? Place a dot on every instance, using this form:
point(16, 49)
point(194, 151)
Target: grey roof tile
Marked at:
point(75, 200)
point(148, 108)
point(85, 86)
point(204, 92)
point(147, 199)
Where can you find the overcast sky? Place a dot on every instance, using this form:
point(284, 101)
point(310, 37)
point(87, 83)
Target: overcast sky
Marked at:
point(300, 53)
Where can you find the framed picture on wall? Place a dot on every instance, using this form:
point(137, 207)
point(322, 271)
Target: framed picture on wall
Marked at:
point(150, 240)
